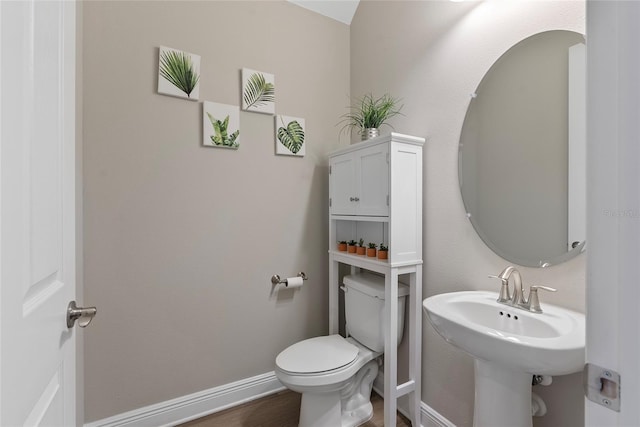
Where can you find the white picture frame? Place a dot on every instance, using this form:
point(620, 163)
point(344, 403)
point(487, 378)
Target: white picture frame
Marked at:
point(258, 91)
point(220, 125)
point(178, 73)
point(290, 136)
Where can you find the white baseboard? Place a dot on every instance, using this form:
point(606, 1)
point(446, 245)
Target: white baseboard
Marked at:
point(429, 417)
point(196, 405)
point(203, 403)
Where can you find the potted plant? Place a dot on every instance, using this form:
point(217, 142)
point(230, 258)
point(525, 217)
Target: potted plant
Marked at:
point(351, 247)
point(370, 114)
point(360, 250)
point(383, 252)
point(371, 250)
point(342, 245)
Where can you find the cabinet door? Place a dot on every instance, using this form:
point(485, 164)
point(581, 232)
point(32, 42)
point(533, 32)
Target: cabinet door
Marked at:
point(342, 185)
point(373, 181)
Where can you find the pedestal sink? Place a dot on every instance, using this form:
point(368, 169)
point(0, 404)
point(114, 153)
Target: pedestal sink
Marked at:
point(509, 345)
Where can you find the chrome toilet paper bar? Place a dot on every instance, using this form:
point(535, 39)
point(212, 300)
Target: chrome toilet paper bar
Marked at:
point(275, 279)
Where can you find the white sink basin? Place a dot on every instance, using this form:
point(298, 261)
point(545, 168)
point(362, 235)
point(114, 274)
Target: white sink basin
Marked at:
point(509, 345)
point(549, 343)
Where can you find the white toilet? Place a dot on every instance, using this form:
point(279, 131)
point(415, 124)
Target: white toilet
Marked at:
point(335, 374)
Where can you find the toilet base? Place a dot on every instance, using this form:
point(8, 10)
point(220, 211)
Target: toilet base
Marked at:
point(320, 410)
point(349, 407)
point(358, 417)
point(325, 411)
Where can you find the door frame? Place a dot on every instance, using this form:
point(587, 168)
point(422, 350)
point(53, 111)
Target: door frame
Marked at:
point(613, 203)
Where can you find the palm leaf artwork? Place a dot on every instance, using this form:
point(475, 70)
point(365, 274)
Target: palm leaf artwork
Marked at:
point(292, 136)
point(177, 68)
point(222, 136)
point(258, 92)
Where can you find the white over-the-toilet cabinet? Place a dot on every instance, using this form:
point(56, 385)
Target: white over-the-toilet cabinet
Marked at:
point(360, 182)
point(375, 194)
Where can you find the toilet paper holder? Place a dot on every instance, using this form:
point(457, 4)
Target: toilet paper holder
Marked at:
point(275, 279)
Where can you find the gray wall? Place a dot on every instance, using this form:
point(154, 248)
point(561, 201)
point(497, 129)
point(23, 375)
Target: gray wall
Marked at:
point(180, 240)
point(433, 55)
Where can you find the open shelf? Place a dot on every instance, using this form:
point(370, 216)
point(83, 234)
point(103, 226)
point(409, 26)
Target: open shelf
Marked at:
point(369, 263)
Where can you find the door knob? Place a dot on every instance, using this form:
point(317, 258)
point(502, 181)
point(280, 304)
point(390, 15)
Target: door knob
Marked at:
point(83, 315)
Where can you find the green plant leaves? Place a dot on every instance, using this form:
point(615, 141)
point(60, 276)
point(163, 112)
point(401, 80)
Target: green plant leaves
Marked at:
point(257, 91)
point(292, 136)
point(177, 68)
point(371, 112)
point(222, 136)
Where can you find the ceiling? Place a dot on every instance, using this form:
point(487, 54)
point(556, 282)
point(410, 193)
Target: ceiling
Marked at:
point(340, 10)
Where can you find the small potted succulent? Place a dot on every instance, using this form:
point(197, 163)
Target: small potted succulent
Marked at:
point(342, 245)
point(383, 252)
point(371, 250)
point(361, 250)
point(351, 247)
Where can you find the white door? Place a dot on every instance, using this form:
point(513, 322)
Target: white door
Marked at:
point(37, 212)
point(613, 209)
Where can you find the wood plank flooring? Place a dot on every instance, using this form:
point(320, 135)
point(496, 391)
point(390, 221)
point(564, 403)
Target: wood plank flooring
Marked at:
point(279, 410)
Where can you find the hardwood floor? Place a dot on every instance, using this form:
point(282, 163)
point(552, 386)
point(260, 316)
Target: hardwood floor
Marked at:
point(279, 410)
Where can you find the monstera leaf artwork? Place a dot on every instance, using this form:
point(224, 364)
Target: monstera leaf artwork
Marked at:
point(290, 136)
point(258, 91)
point(178, 73)
point(220, 125)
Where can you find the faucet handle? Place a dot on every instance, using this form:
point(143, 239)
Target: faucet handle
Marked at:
point(544, 288)
point(504, 289)
point(533, 302)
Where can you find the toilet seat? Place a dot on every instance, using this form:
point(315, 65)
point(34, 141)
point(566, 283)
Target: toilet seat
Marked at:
point(317, 355)
point(344, 367)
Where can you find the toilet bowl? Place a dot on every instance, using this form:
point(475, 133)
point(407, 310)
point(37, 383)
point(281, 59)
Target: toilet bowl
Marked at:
point(330, 372)
point(335, 374)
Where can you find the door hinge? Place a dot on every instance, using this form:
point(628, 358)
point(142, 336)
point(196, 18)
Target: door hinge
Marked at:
point(602, 386)
point(387, 158)
point(329, 201)
point(387, 200)
point(329, 169)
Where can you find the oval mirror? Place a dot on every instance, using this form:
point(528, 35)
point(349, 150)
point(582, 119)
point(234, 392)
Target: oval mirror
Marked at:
point(522, 151)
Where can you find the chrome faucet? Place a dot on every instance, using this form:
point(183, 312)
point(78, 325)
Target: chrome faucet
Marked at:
point(505, 297)
point(517, 299)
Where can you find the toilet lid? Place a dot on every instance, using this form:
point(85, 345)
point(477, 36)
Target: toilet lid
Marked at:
point(318, 354)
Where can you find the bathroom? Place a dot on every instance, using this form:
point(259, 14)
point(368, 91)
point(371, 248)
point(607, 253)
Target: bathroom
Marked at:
point(179, 241)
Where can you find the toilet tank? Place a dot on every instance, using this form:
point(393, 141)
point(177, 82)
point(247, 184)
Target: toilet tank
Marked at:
point(364, 309)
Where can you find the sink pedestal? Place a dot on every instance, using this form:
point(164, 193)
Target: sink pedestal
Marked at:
point(502, 396)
